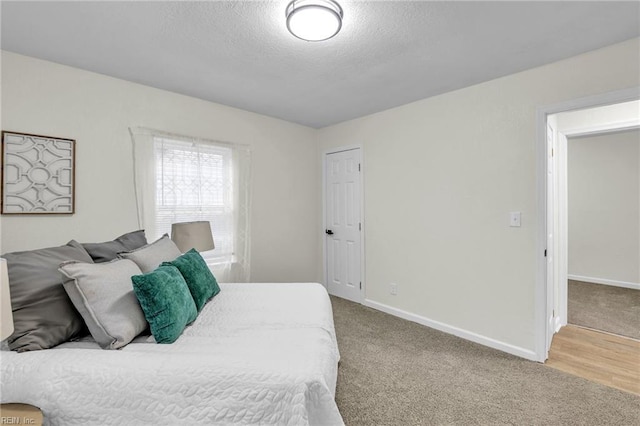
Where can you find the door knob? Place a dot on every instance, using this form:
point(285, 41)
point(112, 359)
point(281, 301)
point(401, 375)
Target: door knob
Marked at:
point(329, 232)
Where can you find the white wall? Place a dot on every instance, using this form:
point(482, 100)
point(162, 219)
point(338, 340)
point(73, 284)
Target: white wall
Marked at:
point(441, 175)
point(45, 98)
point(604, 206)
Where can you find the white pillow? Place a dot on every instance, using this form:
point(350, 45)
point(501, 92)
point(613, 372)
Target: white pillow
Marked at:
point(149, 257)
point(103, 294)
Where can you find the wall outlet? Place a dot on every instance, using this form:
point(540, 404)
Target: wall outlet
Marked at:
point(393, 288)
point(514, 219)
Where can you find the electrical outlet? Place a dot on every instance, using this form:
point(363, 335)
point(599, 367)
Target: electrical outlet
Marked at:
point(514, 219)
point(393, 288)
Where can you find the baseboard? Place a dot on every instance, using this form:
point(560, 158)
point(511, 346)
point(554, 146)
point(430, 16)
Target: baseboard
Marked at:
point(557, 324)
point(459, 332)
point(634, 286)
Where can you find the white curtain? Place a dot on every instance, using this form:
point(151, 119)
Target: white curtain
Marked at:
point(180, 179)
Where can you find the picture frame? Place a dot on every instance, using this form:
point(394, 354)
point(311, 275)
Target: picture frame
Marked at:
point(37, 174)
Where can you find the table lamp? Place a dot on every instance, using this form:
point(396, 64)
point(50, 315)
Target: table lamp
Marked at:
point(188, 235)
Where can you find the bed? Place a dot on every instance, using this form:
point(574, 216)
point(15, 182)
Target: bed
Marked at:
point(257, 354)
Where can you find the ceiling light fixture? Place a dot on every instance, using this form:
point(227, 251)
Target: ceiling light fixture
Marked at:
point(314, 20)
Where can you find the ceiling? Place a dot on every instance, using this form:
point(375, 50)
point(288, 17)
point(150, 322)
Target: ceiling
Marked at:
point(239, 53)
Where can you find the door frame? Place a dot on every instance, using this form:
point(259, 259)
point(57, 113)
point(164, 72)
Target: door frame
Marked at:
point(324, 216)
point(544, 290)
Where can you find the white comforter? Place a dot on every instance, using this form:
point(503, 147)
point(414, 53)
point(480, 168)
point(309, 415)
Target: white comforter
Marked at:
point(257, 354)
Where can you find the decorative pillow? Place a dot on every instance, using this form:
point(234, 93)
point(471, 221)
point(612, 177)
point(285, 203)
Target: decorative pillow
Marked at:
point(103, 294)
point(196, 273)
point(166, 302)
point(43, 315)
point(152, 255)
point(107, 251)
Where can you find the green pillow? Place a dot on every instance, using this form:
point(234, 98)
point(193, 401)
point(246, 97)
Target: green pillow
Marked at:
point(196, 273)
point(166, 302)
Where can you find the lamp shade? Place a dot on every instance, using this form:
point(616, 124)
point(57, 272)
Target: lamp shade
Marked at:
point(6, 316)
point(188, 235)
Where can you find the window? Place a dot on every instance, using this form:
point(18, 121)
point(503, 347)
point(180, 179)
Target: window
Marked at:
point(194, 181)
point(183, 179)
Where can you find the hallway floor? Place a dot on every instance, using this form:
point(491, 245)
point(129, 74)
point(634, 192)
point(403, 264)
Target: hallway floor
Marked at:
point(601, 357)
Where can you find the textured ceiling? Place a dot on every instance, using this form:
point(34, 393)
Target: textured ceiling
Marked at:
point(239, 53)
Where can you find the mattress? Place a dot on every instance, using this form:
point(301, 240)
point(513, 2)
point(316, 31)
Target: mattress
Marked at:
point(257, 354)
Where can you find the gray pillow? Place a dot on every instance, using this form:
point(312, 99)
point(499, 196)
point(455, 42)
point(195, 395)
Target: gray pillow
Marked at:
point(103, 294)
point(149, 257)
point(43, 315)
point(107, 251)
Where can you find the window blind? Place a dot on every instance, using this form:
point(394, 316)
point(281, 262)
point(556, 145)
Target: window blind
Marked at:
point(194, 181)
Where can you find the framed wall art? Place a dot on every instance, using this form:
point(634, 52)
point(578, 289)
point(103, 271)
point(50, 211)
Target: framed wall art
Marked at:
point(38, 174)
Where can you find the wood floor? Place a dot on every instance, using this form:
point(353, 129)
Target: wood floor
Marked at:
point(604, 358)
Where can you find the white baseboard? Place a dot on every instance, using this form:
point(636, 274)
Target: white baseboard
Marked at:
point(465, 334)
point(634, 286)
point(557, 324)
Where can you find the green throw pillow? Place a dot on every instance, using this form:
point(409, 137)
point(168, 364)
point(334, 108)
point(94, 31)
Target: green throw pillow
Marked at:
point(196, 273)
point(166, 302)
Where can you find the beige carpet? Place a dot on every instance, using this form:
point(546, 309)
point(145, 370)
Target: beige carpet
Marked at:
point(395, 372)
point(604, 307)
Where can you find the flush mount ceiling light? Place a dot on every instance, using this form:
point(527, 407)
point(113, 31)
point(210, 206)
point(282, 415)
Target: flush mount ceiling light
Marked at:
point(314, 20)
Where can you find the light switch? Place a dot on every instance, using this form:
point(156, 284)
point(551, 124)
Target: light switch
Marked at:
point(514, 219)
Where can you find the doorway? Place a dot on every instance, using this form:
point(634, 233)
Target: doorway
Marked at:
point(579, 118)
point(604, 231)
point(343, 228)
point(600, 170)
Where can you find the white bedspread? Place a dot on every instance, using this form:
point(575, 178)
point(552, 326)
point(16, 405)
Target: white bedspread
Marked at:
point(257, 354)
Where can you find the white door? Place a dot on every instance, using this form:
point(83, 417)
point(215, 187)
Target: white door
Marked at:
point(551, 224)
point(561, 236)
point(343, 224)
